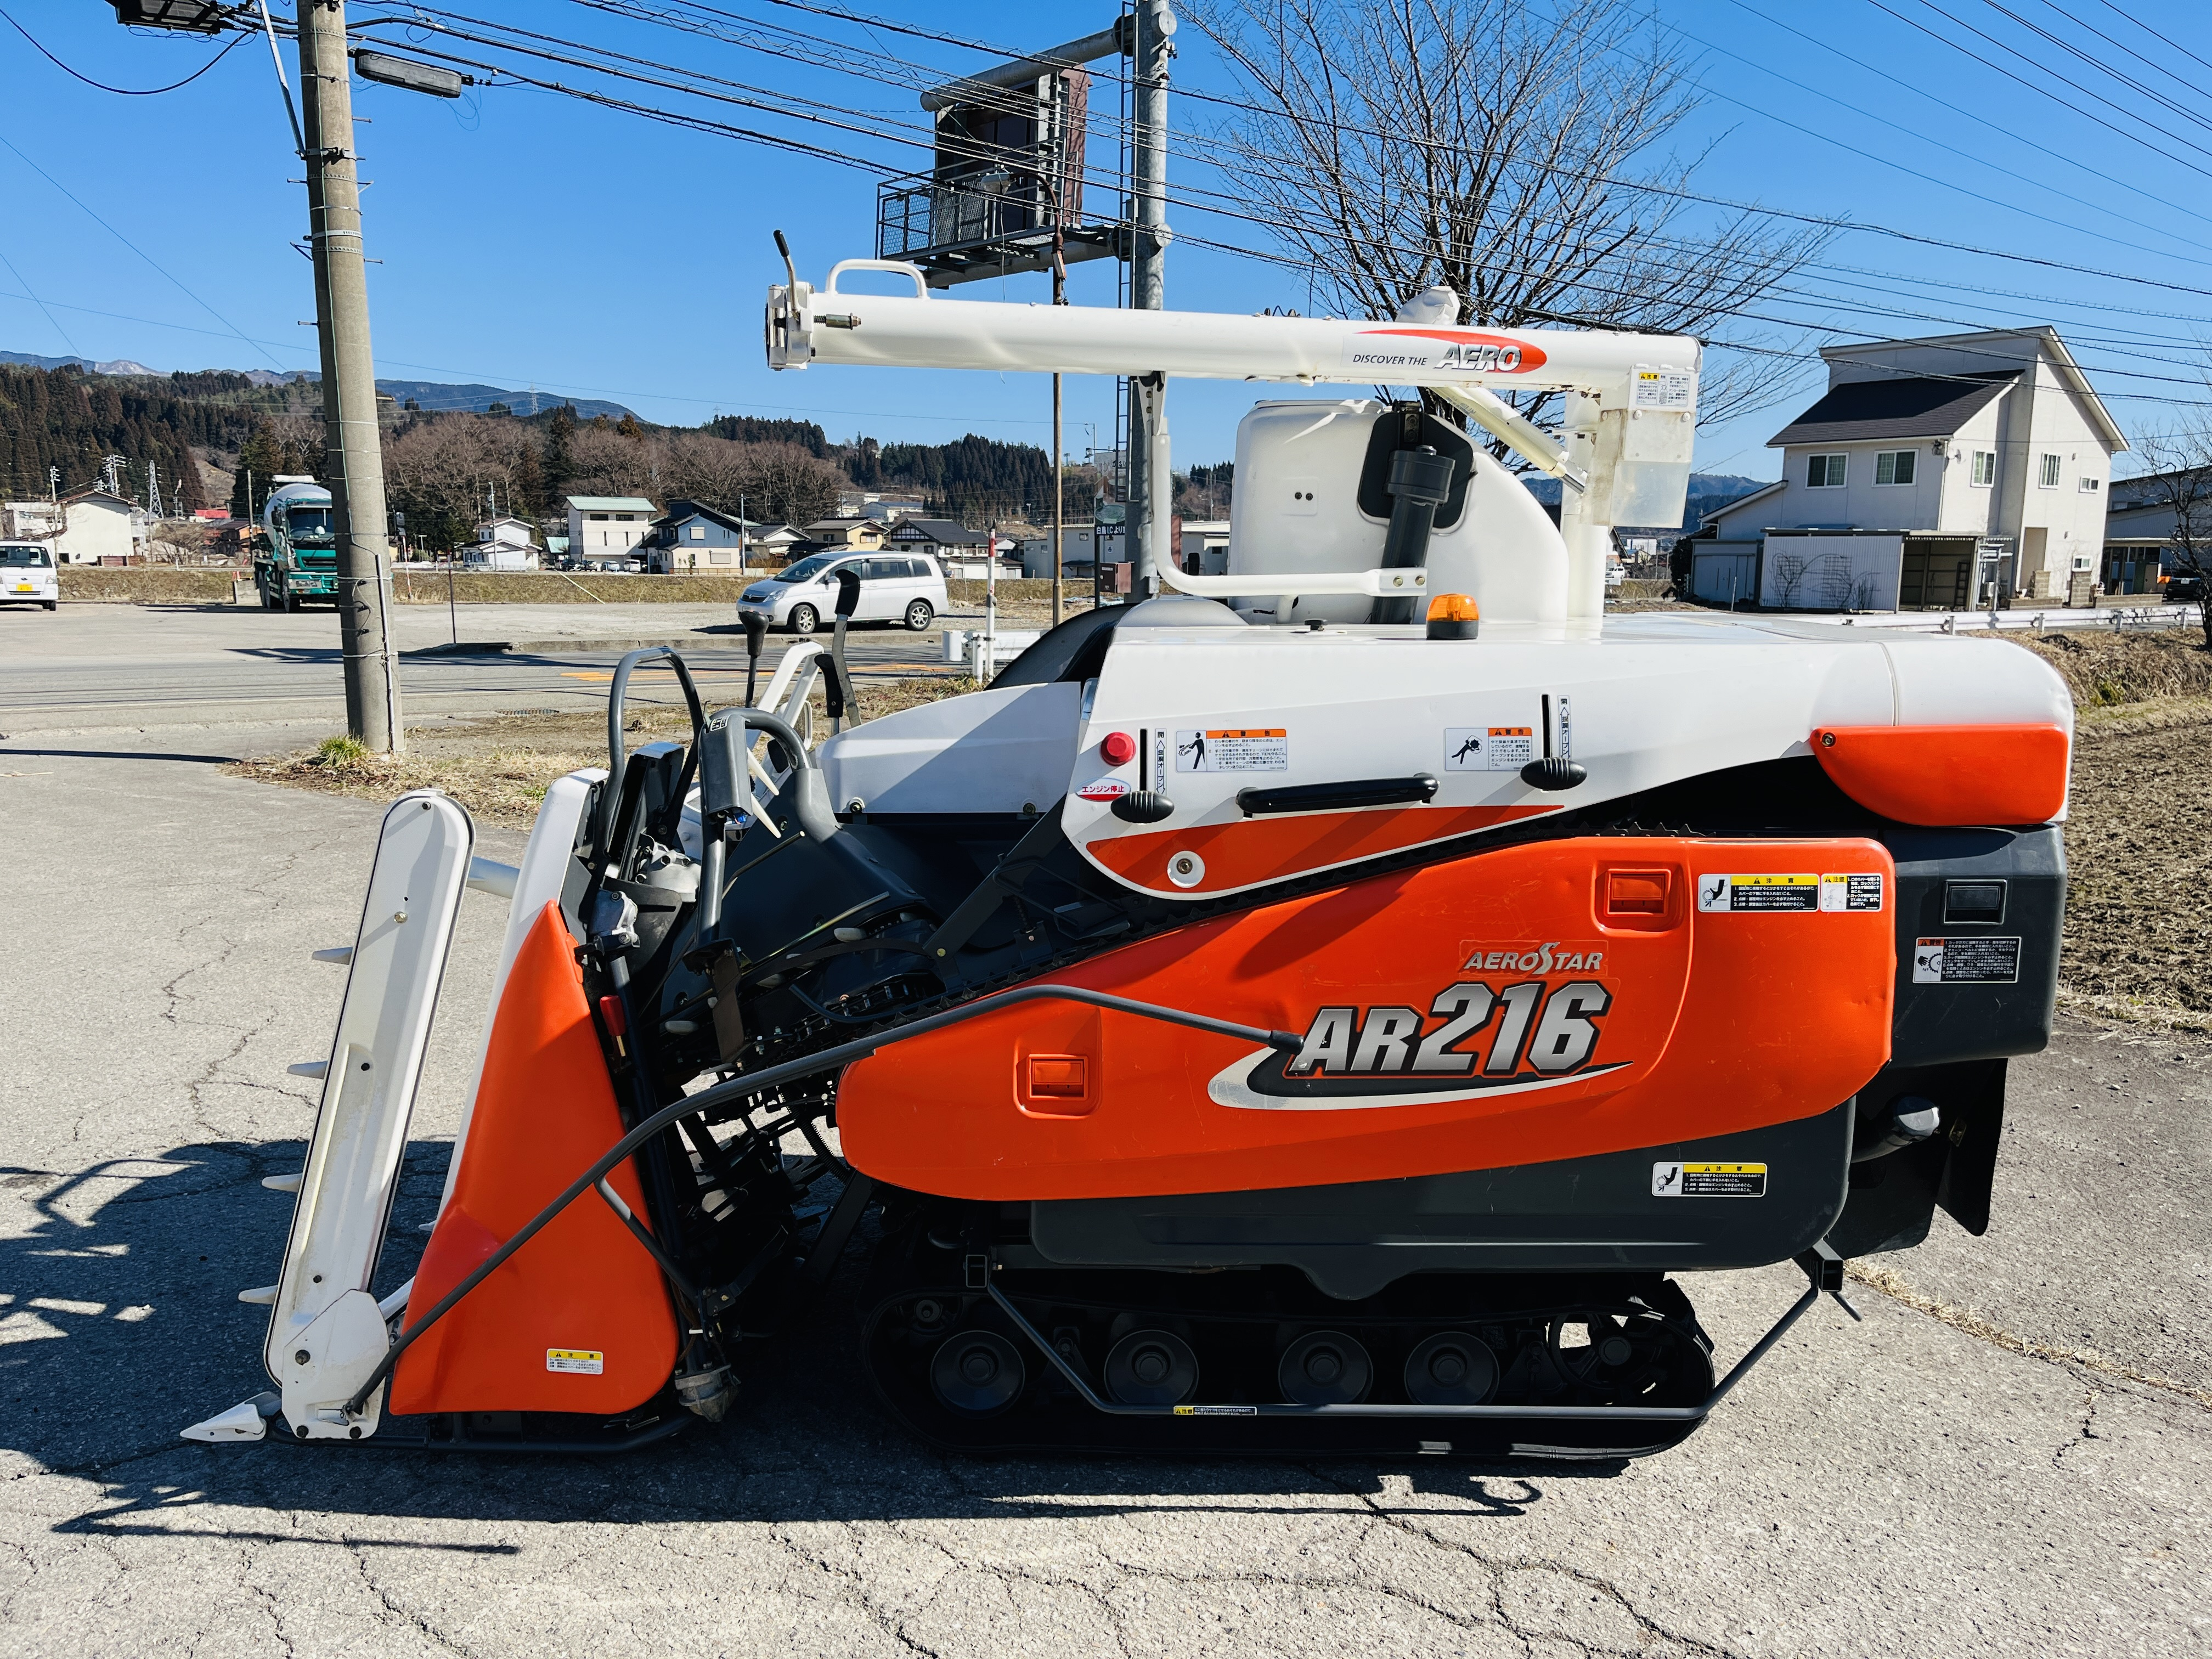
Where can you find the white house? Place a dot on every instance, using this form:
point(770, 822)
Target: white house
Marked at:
point(30, 522)
point(607, 526)
point(503, 544)
point(96, 525)
point(1948, 473)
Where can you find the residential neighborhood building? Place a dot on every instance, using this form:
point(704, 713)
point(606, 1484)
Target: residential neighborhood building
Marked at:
point(693, 536)
point(2143, 546)
point(776, 544)
point(607, 526)
point(503, 543)
point(97, 527)
point(943, 537)
point(875, 504)
point(1954, 472)
point(848, 535)
point(1204, 546)
point(29, 521)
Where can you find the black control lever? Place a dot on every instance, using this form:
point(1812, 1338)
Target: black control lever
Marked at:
point(755, 627)
point(837, 693)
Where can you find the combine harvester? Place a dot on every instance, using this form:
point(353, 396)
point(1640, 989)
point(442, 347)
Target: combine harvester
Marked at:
point(1324, 1008)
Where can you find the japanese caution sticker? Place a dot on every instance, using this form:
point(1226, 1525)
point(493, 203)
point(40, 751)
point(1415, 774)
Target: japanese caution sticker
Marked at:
point(1234, 749)
point(1488, 748)
point(1709, 1181)
point(1759, 893)
point(1851, 892)
point(1958, 961)
point(584, 1362)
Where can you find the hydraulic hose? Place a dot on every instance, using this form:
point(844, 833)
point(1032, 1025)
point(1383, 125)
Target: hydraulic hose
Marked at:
point(738, 1088)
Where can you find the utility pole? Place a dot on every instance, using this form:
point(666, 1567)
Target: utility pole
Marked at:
point(352, 442)
point(1150, 486)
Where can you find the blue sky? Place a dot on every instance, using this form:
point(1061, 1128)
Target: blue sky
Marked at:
point(530, 238)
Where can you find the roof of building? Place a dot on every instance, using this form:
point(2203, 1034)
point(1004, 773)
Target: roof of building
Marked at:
point(610, 504)
point(946, 532)
point(2004, 345)
point(95, 495)
point(683, 508)
point(1908, 406)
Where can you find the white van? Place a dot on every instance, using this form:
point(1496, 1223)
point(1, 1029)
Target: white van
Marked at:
point(26, 574)
point(901, 587)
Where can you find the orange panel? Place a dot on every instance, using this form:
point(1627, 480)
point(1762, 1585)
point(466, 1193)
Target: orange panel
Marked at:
point(1248, 852)
point(1463, 1016)
point(1949, 774)
point(582, 1293)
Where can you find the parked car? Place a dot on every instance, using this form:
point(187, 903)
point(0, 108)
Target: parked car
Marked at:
point(2188, 589)
point(26, 574)
point(903, 588)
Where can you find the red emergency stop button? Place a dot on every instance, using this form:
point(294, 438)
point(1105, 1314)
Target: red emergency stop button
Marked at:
point(1117, 749)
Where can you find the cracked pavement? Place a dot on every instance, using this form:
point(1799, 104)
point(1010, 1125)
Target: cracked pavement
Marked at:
point(1902, 1485)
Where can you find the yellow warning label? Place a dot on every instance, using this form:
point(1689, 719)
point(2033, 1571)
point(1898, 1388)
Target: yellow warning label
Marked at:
point(1685, 1179)
point(585, 1362)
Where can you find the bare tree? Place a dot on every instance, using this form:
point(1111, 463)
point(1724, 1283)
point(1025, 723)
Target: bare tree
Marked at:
point(1514, 153)
point(2181, 483)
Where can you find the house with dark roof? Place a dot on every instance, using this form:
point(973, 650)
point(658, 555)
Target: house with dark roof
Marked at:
point(693, 537)
point(1949, 473)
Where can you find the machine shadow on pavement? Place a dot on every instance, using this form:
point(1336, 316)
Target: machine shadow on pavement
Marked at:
point(132, 1266)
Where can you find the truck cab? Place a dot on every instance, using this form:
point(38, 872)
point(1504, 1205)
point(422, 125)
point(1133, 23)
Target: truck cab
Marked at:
point(298, 559)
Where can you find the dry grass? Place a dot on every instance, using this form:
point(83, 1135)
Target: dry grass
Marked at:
point(2105, 669)
point(146, 584)
point(499, 766)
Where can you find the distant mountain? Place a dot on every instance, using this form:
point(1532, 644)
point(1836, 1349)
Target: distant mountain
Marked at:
point(435, 396)
point(1709, 492)
point(118, 366)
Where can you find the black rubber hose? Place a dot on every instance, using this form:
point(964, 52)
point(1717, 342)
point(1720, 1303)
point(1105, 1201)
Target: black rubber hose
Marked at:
point(738, 1088)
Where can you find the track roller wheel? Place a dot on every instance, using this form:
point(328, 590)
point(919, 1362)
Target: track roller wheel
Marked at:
point(1607, 1360)
point(978, 1372)
point(1451, 1368)
point(1152, 1368)
point(1325, 1368)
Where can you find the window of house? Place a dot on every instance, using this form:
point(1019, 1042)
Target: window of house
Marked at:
point(2090, 486)
point(624, 518)
point(698, 532)
point(1894, 466)
point(1825, 472)
point(597, 517)
point(1985, 466)
point(2047, 477)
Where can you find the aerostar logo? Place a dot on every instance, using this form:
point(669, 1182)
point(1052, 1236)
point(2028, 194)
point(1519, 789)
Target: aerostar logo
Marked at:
point(1437, 347)
point(1527, 1037)
point(1550, 957)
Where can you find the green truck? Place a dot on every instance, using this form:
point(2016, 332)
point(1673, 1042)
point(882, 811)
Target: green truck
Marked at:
point(298, 558)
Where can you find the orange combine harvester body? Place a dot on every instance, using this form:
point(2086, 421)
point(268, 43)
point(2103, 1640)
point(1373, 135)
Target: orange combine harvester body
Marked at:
point(1340, 1005)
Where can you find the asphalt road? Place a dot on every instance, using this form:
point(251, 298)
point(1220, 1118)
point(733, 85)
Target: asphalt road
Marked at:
point(94, 666)
point(1902, 1486)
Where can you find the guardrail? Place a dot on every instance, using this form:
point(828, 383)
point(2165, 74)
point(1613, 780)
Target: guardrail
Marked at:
point(984, 656)
point(2117, 619)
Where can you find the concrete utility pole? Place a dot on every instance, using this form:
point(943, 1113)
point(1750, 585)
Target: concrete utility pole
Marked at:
point(1151, 487)
point(352, 445)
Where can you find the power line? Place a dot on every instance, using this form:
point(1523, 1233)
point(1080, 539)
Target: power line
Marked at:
point(128, 243)
point(2127, 81)
point(1960, 110)
point(121, 91)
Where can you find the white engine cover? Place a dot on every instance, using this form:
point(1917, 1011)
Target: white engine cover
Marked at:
point(1006, 750)
point(1297, 508)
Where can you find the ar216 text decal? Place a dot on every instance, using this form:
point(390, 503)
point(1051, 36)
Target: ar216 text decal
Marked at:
point(1554, 1033)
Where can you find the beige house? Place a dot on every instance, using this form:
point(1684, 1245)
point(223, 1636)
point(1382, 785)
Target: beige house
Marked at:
point(607, 526)
point(97, 526)
point(1949, 473)
point(856, 535)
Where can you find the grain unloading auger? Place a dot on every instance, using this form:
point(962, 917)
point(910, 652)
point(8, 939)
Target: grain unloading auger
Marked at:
point(1323, 1010)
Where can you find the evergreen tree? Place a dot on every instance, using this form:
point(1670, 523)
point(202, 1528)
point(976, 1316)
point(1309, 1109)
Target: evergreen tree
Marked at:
point(559, 465)
point(262, 455)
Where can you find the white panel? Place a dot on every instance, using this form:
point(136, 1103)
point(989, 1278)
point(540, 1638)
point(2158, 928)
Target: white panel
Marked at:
point(1503, 550)
point(1943, 680)
point(369, 1096)
point(998, 750)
